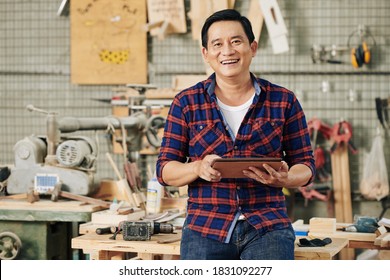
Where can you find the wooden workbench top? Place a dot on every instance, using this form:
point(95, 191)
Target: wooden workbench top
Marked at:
point(46, 210)
point(93, 242)
point(320, 253)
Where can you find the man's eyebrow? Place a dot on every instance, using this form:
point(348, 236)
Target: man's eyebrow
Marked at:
point(215, 40)
point(233, 37)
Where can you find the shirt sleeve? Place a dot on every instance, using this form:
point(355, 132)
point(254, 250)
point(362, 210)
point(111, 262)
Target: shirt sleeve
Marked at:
point(296, 139)
point(174, 145)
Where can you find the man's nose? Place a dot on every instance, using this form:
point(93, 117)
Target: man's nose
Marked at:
point(228, 49)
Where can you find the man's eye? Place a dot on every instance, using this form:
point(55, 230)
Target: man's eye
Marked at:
point(236, 42)
point(217, 45)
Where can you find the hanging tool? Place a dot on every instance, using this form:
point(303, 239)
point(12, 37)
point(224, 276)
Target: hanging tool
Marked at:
point(381, 106)
point(327, 54)
point(342, 135)
point(361, 54)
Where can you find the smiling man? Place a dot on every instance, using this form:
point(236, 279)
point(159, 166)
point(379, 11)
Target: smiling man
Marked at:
point(234, 114)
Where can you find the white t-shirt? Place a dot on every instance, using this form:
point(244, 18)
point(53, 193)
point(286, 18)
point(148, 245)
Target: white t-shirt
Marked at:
point(235, 114)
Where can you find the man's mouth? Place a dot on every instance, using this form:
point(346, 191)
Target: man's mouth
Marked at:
point(230, 61)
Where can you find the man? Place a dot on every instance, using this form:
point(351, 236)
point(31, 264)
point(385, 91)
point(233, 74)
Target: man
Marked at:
point(235, 114)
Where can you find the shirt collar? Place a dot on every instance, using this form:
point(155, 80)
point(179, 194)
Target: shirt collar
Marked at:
point(210, 84)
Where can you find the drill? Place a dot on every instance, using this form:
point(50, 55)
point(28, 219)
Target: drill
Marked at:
point(143, 230)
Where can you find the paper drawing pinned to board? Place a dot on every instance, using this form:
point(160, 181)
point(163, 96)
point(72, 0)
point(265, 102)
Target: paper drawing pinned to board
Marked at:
point(108, 45)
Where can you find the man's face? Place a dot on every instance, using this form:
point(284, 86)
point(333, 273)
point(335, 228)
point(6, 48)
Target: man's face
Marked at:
point(228, 51)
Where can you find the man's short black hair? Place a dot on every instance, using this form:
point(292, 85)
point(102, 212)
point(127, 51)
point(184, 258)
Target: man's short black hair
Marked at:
point(228, 14)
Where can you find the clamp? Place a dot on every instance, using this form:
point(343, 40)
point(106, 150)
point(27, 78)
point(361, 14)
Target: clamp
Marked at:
point(342, 134)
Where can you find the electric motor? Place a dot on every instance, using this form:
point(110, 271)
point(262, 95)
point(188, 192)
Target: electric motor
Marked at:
point(73, 153)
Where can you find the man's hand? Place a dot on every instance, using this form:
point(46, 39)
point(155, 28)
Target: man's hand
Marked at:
point(270, 177)
point(205, 171)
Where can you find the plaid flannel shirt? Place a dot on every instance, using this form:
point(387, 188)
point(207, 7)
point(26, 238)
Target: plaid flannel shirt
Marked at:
point(274, 126)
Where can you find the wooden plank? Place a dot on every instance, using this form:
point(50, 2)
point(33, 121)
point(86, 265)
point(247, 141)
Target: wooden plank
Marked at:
point(162, 93)
point(380, 230)
point(322, 225)
point(200, 11)
point(91, 242)
point(170, 13)
point(231, 4)
point(107, 42)
point(337, 186)
point(341, 185)
point(48, 205)
point(106, 217)
point(109, 190)
point(383, 240)
point(85, 199)
point(180, 82)
point(256, 18)
point(356, 236)
point(346, 185)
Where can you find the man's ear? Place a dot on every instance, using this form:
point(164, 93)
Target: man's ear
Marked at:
point(254, 46)
point(205, 54)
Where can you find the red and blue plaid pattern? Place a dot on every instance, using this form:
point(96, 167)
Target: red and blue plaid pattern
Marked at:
point(274, 126)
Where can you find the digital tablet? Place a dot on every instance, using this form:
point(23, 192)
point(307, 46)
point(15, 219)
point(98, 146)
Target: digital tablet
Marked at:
point(233, 167)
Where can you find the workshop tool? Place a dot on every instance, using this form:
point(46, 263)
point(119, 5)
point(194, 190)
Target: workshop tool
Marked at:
point(135, 184)
point(106, 230)
point(71, 159)
point(10, 245)
point(57, 192)
point(318, 128)
point(381, 106)
point(122, 183)
point(314, 126)
point(142, 230)
point(327, 54)
point(342, 135)
point(361, 54)
point(363, 224)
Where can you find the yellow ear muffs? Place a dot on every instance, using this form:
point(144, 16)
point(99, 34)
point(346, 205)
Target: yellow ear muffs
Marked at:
point(360, 55)
point(367, 53)
point(356, 57)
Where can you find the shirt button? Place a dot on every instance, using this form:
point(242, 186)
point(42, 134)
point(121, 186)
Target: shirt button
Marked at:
point(238, 187)
point(201, 127)
point(226, 127)
point(272, 123)
point(235, 147)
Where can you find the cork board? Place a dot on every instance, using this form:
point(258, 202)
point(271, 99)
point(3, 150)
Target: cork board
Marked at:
point(171, 12)
point(107, 42)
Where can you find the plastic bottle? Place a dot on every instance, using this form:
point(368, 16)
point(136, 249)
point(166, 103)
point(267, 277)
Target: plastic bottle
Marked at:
point(153, 196)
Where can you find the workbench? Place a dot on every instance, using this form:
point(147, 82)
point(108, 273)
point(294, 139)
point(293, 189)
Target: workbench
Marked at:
point(101, 247)
point(44, 227)
point(356, 240)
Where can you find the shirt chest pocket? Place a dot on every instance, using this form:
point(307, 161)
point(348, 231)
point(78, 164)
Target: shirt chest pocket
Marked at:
point(266, 138)
point(205, 139)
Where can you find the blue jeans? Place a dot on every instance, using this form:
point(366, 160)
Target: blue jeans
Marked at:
point(246, 244)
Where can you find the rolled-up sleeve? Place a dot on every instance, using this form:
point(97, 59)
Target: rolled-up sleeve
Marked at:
point(174, 145)
point(296, 139)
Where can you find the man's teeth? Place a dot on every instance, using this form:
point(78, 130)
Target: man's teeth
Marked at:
point(229, 61)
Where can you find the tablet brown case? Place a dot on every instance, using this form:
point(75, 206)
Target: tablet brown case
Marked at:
point(233, 167)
